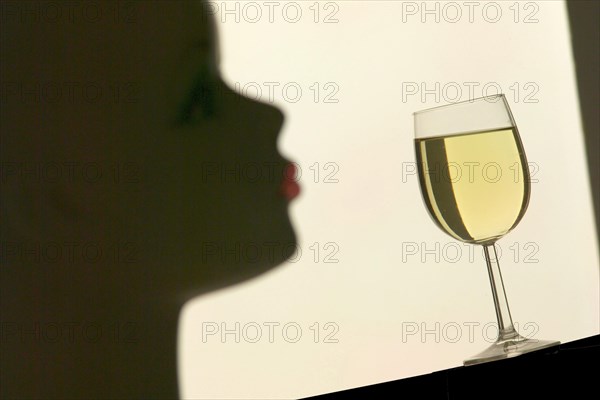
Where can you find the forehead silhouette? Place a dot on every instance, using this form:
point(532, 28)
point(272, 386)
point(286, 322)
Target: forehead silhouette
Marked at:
point(101, 71)
point(67, 41)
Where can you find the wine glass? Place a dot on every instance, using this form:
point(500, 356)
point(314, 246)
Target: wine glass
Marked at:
point(474, 180)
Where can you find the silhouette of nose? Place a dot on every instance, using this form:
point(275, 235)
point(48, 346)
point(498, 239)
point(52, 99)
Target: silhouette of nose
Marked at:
point(268, 117)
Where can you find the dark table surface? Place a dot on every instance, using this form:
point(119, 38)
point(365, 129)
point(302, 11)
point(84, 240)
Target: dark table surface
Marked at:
point(570, 371)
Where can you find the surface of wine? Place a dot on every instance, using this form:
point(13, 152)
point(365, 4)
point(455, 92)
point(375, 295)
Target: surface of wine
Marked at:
point(475, 185)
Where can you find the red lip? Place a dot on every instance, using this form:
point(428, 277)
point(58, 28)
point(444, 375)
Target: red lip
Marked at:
point(289, 185)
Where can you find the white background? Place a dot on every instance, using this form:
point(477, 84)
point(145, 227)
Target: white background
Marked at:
point(373, 54)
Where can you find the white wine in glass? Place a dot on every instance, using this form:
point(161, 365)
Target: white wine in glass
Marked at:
point(475, 182)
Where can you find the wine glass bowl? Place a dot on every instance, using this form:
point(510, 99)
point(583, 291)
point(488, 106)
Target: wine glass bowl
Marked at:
point(474, 180)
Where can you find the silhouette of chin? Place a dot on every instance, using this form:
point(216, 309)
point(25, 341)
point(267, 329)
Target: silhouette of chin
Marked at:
point(244, 261)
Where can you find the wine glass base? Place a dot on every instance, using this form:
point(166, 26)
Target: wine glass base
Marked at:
point(507, 348)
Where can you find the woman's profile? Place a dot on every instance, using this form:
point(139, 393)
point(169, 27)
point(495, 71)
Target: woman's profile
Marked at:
point(133, 179)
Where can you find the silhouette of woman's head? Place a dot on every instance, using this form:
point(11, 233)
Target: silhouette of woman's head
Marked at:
point(138, 140)
point(133, 179)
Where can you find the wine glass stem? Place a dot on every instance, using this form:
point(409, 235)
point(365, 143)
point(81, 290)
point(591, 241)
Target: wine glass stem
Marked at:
point(505, 324)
